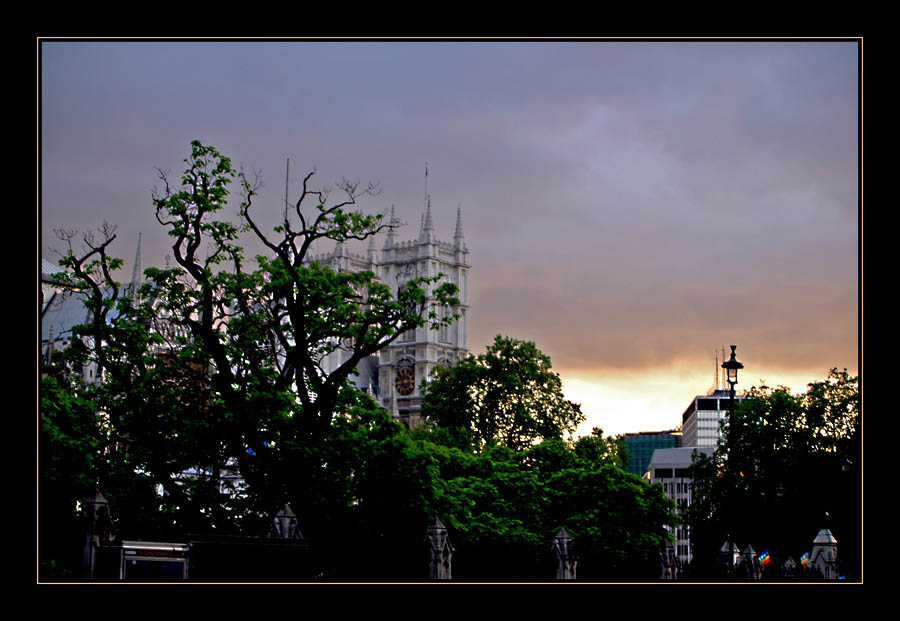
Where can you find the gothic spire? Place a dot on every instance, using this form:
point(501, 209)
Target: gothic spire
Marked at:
point(427, 233)
point(458, 240)
point(137, 273)
point(389, 242)
point(429, 225)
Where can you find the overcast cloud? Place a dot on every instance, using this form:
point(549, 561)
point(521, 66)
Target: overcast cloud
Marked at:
point(628, 206)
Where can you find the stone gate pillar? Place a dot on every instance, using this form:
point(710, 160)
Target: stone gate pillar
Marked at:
point(668, 562)
point(285, 524)
point(440, 552)
point(824, 554)
point(751, 564)
point(97, 530)
point(563, 546)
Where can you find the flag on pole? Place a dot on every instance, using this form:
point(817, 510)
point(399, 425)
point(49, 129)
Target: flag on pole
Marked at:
point(764, 558)
point(804, 560)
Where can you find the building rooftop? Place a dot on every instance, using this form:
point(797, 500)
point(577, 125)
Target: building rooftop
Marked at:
point(677, 457)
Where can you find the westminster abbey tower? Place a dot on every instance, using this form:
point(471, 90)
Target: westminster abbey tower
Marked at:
point(395, 375)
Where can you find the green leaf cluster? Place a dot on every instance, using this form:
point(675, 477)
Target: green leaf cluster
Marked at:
point(508, 396)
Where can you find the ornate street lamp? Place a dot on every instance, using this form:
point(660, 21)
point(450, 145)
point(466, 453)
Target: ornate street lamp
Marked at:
point(731, 366)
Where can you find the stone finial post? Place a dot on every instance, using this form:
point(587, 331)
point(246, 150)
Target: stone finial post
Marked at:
point(285, 524)
point(751, 563)
point(563, 546)
point(97, 530)
point(668, 562)
point(728, 554)
point(790, 567)
point(440, 551)
point(824, 554)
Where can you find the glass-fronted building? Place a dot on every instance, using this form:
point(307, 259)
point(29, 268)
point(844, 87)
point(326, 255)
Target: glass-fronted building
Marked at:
point(642, 444)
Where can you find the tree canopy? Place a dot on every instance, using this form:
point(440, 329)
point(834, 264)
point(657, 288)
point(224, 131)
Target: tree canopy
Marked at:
point(506, 506)
point(508, 396)
point(788, 466)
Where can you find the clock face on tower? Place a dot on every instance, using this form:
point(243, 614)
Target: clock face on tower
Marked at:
point(406, 381)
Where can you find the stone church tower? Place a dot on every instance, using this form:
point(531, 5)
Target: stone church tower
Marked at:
point(395, 375)
point(409, 360)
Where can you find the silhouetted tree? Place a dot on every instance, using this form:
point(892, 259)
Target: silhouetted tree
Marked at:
point(788, 466)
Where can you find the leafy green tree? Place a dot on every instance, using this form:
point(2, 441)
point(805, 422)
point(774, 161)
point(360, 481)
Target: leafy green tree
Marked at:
point(69, 444)
point(788, 466)
point(508, 396)
point(598, 449)
point(504, 507)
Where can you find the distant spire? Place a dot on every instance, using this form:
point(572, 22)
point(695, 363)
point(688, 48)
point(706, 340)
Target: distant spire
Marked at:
point(137, 273)
point(392, 224)
point(427, 234)
point(429, 225)
point(426, 215)
point(716, 373)
point(723, 371)
point(458, 235)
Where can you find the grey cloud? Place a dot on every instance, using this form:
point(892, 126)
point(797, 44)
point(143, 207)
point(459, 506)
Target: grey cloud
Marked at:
point(624, 203)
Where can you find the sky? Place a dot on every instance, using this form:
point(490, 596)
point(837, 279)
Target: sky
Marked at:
point(632, 207)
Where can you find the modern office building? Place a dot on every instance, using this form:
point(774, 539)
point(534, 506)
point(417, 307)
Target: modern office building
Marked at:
point(700, 423)
point(671, 468)
point(642, 444)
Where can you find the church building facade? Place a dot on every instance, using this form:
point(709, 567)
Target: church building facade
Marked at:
point(394, 376)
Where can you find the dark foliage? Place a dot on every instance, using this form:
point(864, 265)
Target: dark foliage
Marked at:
point(789, 466)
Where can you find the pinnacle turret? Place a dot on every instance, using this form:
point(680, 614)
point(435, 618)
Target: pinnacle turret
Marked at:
point(137, 272)
point(458, 240)
point(426, 236)
point(392, 224)
point(370, 254)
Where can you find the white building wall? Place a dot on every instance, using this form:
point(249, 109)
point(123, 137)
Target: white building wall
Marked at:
point(668, 467)
point(701, 421)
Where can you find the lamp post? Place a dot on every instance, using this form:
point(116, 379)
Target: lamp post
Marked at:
point(731, 366)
